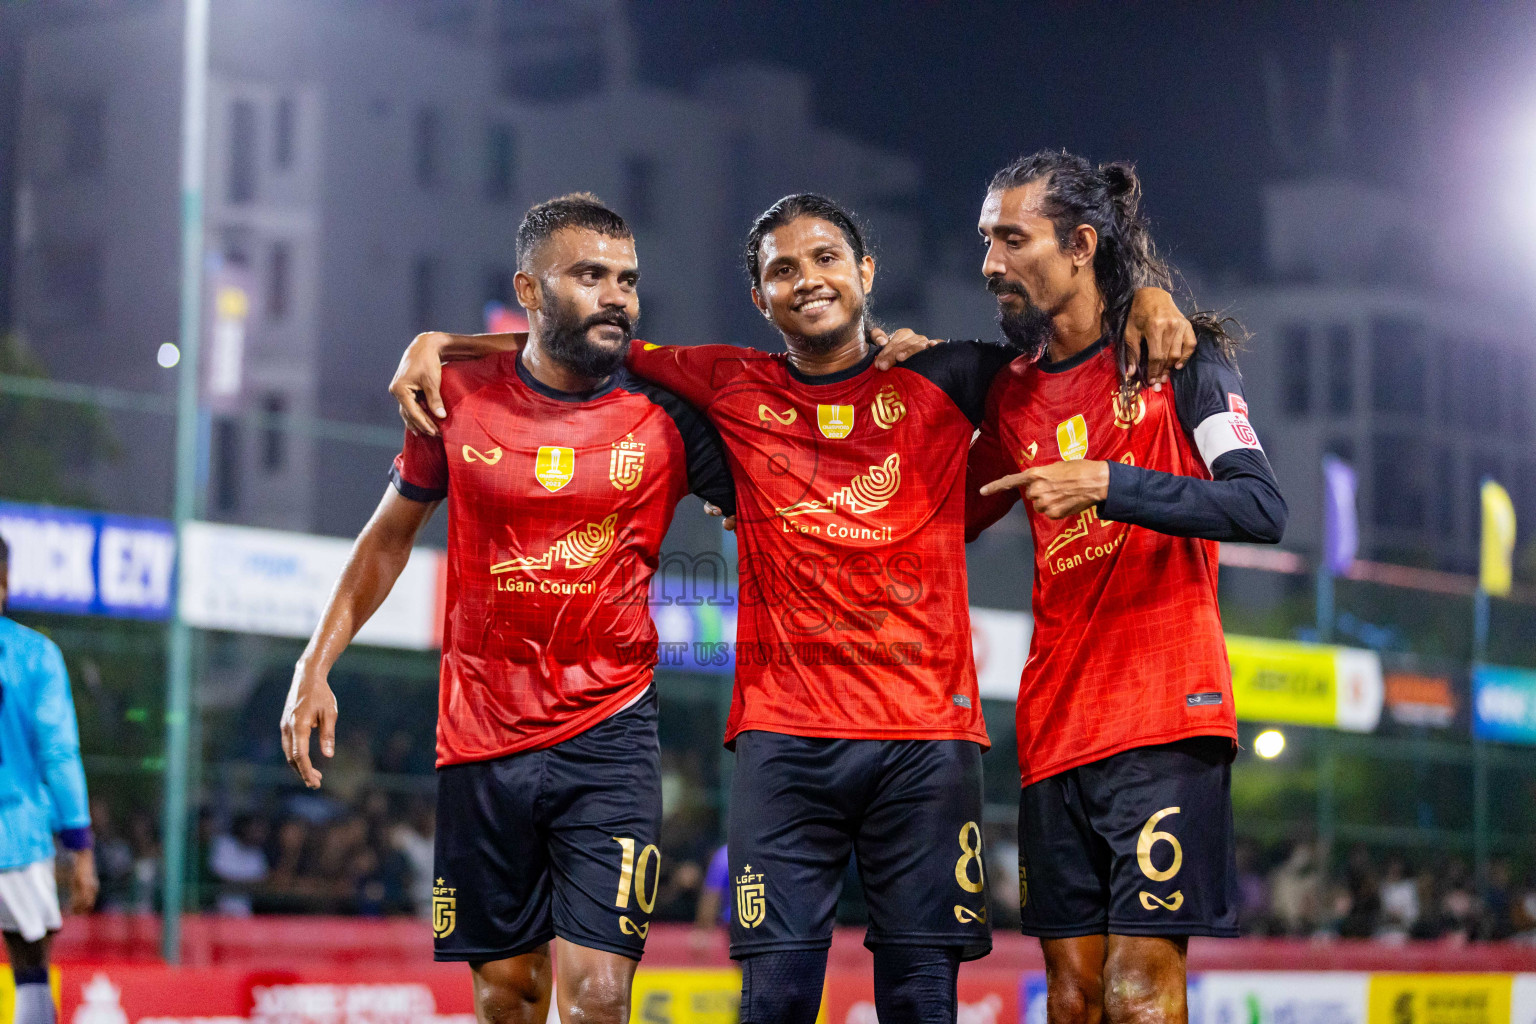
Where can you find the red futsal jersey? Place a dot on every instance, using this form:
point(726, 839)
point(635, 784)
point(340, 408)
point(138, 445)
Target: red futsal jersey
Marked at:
point(557, 505)
point(1127, 649)
point(854, 620)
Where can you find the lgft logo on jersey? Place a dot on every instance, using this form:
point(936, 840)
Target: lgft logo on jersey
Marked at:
point(751, 898)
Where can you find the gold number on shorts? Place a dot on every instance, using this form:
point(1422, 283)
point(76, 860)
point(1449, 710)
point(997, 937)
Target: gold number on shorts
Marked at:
point(627, 871)
point(1149, 839)
point(970, 847)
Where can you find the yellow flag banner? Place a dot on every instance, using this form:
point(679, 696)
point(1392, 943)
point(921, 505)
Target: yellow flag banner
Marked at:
point(1496, 572)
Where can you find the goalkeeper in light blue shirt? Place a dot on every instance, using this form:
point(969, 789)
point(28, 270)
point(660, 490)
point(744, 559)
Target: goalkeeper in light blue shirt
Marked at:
point(42, 793)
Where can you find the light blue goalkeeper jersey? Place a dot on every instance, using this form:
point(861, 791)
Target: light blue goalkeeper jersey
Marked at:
point(42, 782)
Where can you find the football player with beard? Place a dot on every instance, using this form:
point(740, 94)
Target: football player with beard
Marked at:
point(855, 719)
point(1126, 728)
point(561, 472)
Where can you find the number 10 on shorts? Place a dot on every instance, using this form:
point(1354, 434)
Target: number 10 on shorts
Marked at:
point(632, 875)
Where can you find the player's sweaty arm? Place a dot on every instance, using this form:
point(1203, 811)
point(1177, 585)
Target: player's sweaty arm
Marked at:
point(377, 559)
point(418, 379)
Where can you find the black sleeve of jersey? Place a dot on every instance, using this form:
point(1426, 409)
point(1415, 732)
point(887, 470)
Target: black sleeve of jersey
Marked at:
point(1242, 503)
point(964, 370)
point(709, 475)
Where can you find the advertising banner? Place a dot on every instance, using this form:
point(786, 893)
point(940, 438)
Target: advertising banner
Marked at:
point(1440, 998)
point(156, 994)
point(1504, 704)
point(1305, 684)
point(1275, 997)
point(1420, 700)
point(687, 996)
point(276, 583)
point(1000, 643)
point(88, 563)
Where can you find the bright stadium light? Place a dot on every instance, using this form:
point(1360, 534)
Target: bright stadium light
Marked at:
point(1269, 743)
point(168, 356)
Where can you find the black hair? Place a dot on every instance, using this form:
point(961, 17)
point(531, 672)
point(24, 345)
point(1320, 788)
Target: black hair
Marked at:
point(792, 208)
point(573, 210)
point(1108, 199)
point(5, 552)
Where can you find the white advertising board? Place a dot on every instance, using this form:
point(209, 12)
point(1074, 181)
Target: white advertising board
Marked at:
point(1283, 997)
point(1000, 643)
point(276, 583)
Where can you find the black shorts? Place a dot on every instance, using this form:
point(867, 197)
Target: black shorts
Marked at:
point(910, 810)
point(1139, 843)
point(559, 841)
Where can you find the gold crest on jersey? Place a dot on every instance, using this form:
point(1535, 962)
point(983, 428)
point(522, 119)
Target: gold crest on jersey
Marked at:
point(555, 467)
point(1072, 438)
point(626, 461)
point(1128, 414)
point(835, 421)
point(887, 409)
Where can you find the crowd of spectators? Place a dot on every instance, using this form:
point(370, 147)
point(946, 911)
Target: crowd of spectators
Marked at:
point(1390, 898)
point(373, 856)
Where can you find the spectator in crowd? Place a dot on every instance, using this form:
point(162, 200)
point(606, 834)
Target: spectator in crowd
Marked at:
point(1252, 891)
point(1399, 902)
point(238, 863)
point(412, 839)
point(1296, 889)
point(114, 859)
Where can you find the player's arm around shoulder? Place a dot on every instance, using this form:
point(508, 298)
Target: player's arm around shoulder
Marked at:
point(418, 380)
point(695, 373)
point(377, 559)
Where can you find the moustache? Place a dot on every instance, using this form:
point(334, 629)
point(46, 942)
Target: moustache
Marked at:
point(1001, 286)
point(614, 318)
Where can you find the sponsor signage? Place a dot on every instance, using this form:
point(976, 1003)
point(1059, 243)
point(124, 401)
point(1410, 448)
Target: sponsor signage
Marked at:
point(1305, 684)
point(1282, 997)
point(87, 563)
point(1504, 704)
point(1440, 999)
point(687, 996)
point(276, 583)
point(1420, 700)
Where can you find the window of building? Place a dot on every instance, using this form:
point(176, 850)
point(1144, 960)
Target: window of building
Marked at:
point(284, 127)
point(242, 152)
point(1341, 369)
point(226, 460)
point(424, 285)
point(70, 138)
point(279, 279)
point(1398, 366)
point(70, 279)
point(1483, 380)
point(1296, 369)
point(1445, 493)
point(500, 163)
point(640, 178)
point(1399, 482)
point(428, 139)
point(274, 439)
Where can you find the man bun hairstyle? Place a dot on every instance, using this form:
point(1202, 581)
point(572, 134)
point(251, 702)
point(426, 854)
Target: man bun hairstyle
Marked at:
point(1107, 198)
point(792, 208)
point(572, 210)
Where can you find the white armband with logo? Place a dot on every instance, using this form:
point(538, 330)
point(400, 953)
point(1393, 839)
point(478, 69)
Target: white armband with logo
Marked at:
point(1224, 432)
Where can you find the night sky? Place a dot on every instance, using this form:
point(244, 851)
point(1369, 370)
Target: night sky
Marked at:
point(1178, 88)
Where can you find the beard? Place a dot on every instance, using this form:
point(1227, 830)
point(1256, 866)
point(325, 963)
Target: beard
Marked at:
point(565, 339)
point(821, 344)
point(1029, 329)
